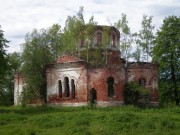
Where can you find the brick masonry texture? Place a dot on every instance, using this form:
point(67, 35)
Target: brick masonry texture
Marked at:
point(71, 82)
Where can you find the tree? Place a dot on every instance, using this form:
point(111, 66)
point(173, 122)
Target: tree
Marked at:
point(81, 34)
point(167, 53)
point(3, 69)
point(3, 55)
point(78, 31)
point(14, 63)
point(136, 94)
point(146, 37)
point(74, 33)
point(126, 37)
point(40, 48)
point(55, 42)
point(138, 52)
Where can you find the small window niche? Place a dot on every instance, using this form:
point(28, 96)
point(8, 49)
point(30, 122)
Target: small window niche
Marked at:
point(110, 83)
point(142, 82)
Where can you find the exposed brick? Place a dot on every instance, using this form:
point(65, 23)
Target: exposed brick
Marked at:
point(86, 79)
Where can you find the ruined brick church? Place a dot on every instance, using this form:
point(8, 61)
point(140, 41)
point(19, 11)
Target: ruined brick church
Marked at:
point(71, 83)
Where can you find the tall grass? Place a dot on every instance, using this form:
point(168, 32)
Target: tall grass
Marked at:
point(88, 120)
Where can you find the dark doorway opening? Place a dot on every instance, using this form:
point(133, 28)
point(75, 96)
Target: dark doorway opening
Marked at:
point(93, 96)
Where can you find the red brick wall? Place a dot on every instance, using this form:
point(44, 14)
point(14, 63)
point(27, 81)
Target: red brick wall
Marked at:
point(148, 71)
point(98, 81)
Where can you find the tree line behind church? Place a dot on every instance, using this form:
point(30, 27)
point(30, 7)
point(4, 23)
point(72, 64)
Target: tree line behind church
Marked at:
point(43, 46)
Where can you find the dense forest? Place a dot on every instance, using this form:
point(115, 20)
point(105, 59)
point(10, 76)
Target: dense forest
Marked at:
point(45, 45)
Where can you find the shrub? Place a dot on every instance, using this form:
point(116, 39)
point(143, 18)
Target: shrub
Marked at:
point(136, 94)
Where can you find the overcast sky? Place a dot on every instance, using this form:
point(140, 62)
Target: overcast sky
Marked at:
point(18, 17)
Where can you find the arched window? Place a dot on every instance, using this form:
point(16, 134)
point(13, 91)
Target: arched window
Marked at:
point(110, 83)
point(99, 38)
point(60, 88)
point(66, 87)
point(113, 40)
point(155, 84)
point(73, 88)
point(142, 82)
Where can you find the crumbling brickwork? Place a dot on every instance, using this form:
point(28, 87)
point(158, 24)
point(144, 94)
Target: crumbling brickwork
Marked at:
point(71, 82)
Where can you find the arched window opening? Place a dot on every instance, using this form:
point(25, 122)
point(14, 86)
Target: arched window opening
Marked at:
point(93, 96)
point(66, 87)
point(155, 84)
point(110, 83)
point(60, 88)
point(99, 38)
point(73, 88)
point(142, 82)
point(113, 39)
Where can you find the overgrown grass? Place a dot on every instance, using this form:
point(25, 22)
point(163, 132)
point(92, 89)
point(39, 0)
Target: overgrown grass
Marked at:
point(89, 121)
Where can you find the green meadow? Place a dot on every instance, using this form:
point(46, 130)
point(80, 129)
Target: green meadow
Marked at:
point(126, 120)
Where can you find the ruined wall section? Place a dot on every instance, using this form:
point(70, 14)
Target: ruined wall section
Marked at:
point(98, 80)
point(75, 71)
point(148, 72)
point(18, 88)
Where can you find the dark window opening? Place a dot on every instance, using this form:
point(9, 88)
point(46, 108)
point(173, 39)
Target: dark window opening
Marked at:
point(60, 88)
point(113, 40)
point(99, 38)
point(142, 82)
point(66, 87)
point(155, 86)
point(110, 83)
point(93, 96)
point(73, 88)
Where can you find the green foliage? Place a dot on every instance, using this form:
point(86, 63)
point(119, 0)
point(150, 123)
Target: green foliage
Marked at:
point(3, 56)
point(6, 94)
point(96, 58)
point(126, 37)
point(3, 67)
point(137, 54)
point(77, 31)
point(89, 121)
point(10, 63)
point(39, 49)
point(144, 39)
point(136, 94)
point(167, 53)
point(43, 46)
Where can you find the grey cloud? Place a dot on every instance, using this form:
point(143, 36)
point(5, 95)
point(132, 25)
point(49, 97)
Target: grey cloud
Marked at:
point(97, 12)
point(20, 16)
point(166, 10)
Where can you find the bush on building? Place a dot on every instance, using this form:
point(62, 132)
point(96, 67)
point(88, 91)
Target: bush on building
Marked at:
point(94, 57)
point(136, 94)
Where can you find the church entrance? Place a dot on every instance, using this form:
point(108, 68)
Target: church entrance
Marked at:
point(93, 96)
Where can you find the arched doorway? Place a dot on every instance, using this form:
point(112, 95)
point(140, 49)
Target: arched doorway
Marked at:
point(93, 96)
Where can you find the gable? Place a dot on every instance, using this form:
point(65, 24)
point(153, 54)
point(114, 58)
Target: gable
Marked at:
point(68, 58)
